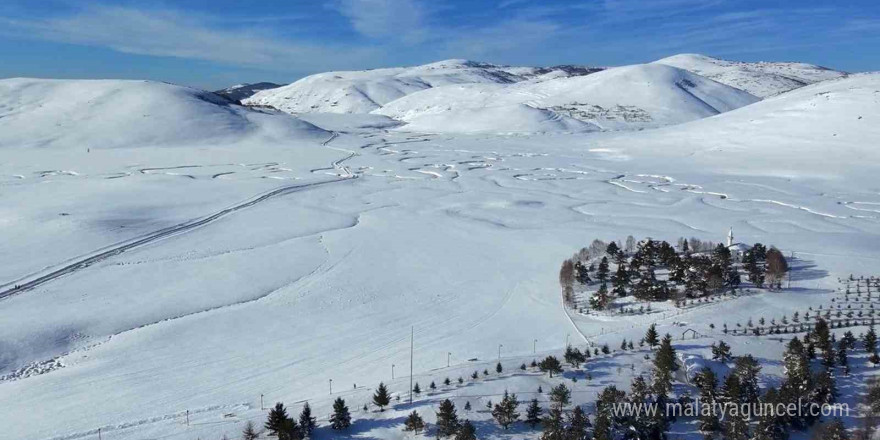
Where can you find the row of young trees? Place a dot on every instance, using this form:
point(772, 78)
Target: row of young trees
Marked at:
point(690, 274)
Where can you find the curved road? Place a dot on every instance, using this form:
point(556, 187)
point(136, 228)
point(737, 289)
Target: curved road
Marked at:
point(26, 284)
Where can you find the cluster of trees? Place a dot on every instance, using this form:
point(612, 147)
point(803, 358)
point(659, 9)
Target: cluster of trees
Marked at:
point(690, 273)
point(284, 427)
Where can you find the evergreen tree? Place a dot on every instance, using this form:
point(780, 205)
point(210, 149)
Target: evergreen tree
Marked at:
point(341, 418)
point(498, 368)
point(306, 421)
point(249, 432)
point(620, 280)
point(721, 352)
point(706, 381)
point(578, 424)
point(417, 389)
point(746, 369)
point(382, 398)
point(600, 299)
point(533, 413)
point(798, 382)
point(735, 426)
point(467, 406)
point(602, 271)
point(833, 430)
point(505, 412)
point(551, 365)
point(612, 249)
point(289, 430)
point(842, 358)
point(651, 337)
point(573, 356)
point(433, 386)
point(771, 425)
point(560, 396)
point(664, 366)
point(870, 340)
point(414, 423)
point(581, 274)
point(554, 425)
point(447, 419)
point(466, 431)
point(275, 421)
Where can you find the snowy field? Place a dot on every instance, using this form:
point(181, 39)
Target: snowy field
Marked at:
point(203, 296)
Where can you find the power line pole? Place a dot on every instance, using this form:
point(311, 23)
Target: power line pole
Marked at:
point(534, 346)
point(261, 403)
point(499, 351)
point(331, 386)
point(412, 332)
point(448, 355)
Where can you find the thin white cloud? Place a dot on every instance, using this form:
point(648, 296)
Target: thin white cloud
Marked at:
point(172, 34)
point(402, 19)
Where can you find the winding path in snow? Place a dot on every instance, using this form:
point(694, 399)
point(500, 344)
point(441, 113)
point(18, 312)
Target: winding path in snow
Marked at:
point(35, 280)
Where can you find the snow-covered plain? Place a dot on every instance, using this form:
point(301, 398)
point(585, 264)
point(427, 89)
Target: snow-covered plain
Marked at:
point(458, 236)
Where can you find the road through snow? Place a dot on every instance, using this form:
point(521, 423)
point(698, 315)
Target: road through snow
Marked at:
point(35, 280)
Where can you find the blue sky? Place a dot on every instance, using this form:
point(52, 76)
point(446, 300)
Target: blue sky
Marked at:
point(214, 43)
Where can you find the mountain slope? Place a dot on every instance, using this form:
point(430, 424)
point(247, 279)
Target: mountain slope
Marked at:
point(365, 91)
point(830, 129)
point(242, 91)
point(114, 113)
point(639, 96)
point(761, 79)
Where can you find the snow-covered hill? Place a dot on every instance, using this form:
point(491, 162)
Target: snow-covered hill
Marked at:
point(639, 96)
point(829, 129)
point(241, 91)
point(761, 79)
point(90, 114)
point(365, 91)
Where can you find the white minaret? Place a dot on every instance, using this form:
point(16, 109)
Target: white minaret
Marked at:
point(730, 238)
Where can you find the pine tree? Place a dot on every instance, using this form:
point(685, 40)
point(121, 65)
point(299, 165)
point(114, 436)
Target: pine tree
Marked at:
point(870, 340)
point(447, 419)
point(553, 425)
point(275, 421)
point(533, 413)
point(721, 352)
point(467, 406)
point(498, 368)
point(466, 431)
point(573, 356)
point(551, 365)
point(842, 358)
point(798, 381)
point(577, 424)
point(417, 389)
point(249, 432)
point(620, 281)
point(560, 396)
point(771, 424)
point(746, 368)
point(651, 337)
point(602, 271)
point(289, 430)
point(833, 430)
point(706, 381)
point(735, 427)
point(414, 423)
point(505, 411)
point(664, 366)
point(341, 418)
point(306, 421)
point(432, 386)
point(382, 398)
